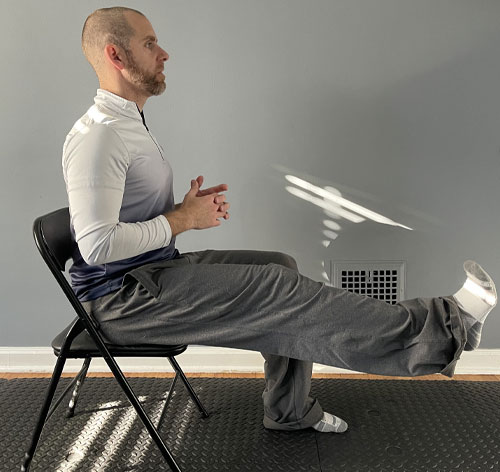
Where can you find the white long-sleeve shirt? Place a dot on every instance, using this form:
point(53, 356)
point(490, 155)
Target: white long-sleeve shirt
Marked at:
point(119, 184)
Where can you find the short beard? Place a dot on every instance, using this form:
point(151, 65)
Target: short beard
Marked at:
point(142, 79)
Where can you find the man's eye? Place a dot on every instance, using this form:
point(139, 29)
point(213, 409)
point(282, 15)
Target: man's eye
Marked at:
point(148, 45)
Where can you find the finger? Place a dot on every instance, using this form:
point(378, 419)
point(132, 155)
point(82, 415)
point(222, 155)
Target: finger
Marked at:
point(194, 186)
point(221, 188)
point(219, 198)
point(217, 189)
point(224, 207)
point(199, 182)
point(208, 191)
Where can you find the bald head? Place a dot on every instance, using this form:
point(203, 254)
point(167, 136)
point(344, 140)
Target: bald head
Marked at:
point(106, 26)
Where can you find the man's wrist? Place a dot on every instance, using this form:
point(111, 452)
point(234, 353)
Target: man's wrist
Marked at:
point(178, 220)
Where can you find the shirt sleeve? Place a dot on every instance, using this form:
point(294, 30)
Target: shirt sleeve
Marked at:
point(95, 166)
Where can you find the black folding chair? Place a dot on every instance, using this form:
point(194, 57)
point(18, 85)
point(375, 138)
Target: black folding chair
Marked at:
point(82, 339)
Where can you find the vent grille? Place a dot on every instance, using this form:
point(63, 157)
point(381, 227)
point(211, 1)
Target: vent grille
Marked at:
point(381, 280)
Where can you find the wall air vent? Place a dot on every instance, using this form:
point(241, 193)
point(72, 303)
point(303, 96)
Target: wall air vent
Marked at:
point(382, 280)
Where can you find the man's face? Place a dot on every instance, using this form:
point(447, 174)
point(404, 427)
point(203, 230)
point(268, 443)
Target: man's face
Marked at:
point(145, 58)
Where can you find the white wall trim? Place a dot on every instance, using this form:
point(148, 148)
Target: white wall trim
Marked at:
point(206, 359)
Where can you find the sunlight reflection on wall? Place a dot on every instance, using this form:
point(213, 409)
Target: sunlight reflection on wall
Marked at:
point(335, 207)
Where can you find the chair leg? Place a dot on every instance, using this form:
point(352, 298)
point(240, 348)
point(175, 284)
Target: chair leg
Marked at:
point(167, 401)
point(74, 382)
point(80, 378)
point(28, 457)
point(192, 393)
point(117, 372)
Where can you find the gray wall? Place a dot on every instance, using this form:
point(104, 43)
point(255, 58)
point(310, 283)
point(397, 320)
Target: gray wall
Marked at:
point(395, 103)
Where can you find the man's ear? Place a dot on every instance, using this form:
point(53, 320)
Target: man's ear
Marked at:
point(114, 55)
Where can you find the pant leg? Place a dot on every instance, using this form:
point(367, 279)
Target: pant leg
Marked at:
point(287, 404)
point(273, 309)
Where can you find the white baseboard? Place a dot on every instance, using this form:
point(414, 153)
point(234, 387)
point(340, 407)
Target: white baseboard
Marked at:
point(206, 359)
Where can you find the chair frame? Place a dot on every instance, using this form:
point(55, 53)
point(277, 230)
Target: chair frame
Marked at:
point(56, 257)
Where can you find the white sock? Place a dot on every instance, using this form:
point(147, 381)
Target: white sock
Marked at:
point(471, 300)
point(330, 424)
point(478, 295)
point(476, 298)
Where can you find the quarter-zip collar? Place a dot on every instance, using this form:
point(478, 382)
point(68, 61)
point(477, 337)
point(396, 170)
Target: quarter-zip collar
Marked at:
point(143, 119)
point(118, 105)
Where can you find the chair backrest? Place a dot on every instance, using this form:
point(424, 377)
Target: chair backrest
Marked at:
point(52, 233)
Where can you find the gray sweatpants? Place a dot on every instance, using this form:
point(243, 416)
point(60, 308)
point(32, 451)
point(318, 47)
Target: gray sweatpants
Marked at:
point(257, 300)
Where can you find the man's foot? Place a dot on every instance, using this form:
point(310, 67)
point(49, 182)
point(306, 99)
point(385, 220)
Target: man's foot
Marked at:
point(476, 298)
point(330, 424)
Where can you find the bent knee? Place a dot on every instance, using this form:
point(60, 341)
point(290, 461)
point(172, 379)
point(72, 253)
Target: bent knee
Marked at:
point(284, 260)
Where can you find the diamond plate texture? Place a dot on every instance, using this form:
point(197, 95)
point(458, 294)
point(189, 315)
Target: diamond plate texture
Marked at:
point(106, 435)
point(407, 426)
point(400, 426)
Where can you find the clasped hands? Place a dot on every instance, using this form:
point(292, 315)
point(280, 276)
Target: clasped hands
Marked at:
point(205, 207)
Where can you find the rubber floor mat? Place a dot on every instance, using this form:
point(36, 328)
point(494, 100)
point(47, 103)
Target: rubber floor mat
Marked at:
point(401, 426)
point(411, 426)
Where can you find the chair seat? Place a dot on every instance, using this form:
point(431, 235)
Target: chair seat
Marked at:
point(84, 346)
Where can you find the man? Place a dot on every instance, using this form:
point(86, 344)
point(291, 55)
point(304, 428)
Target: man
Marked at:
point(129, 274)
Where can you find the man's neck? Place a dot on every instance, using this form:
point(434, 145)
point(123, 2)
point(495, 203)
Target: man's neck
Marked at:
point(127, 93)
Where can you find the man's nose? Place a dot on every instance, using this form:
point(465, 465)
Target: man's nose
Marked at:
point(164, 55)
